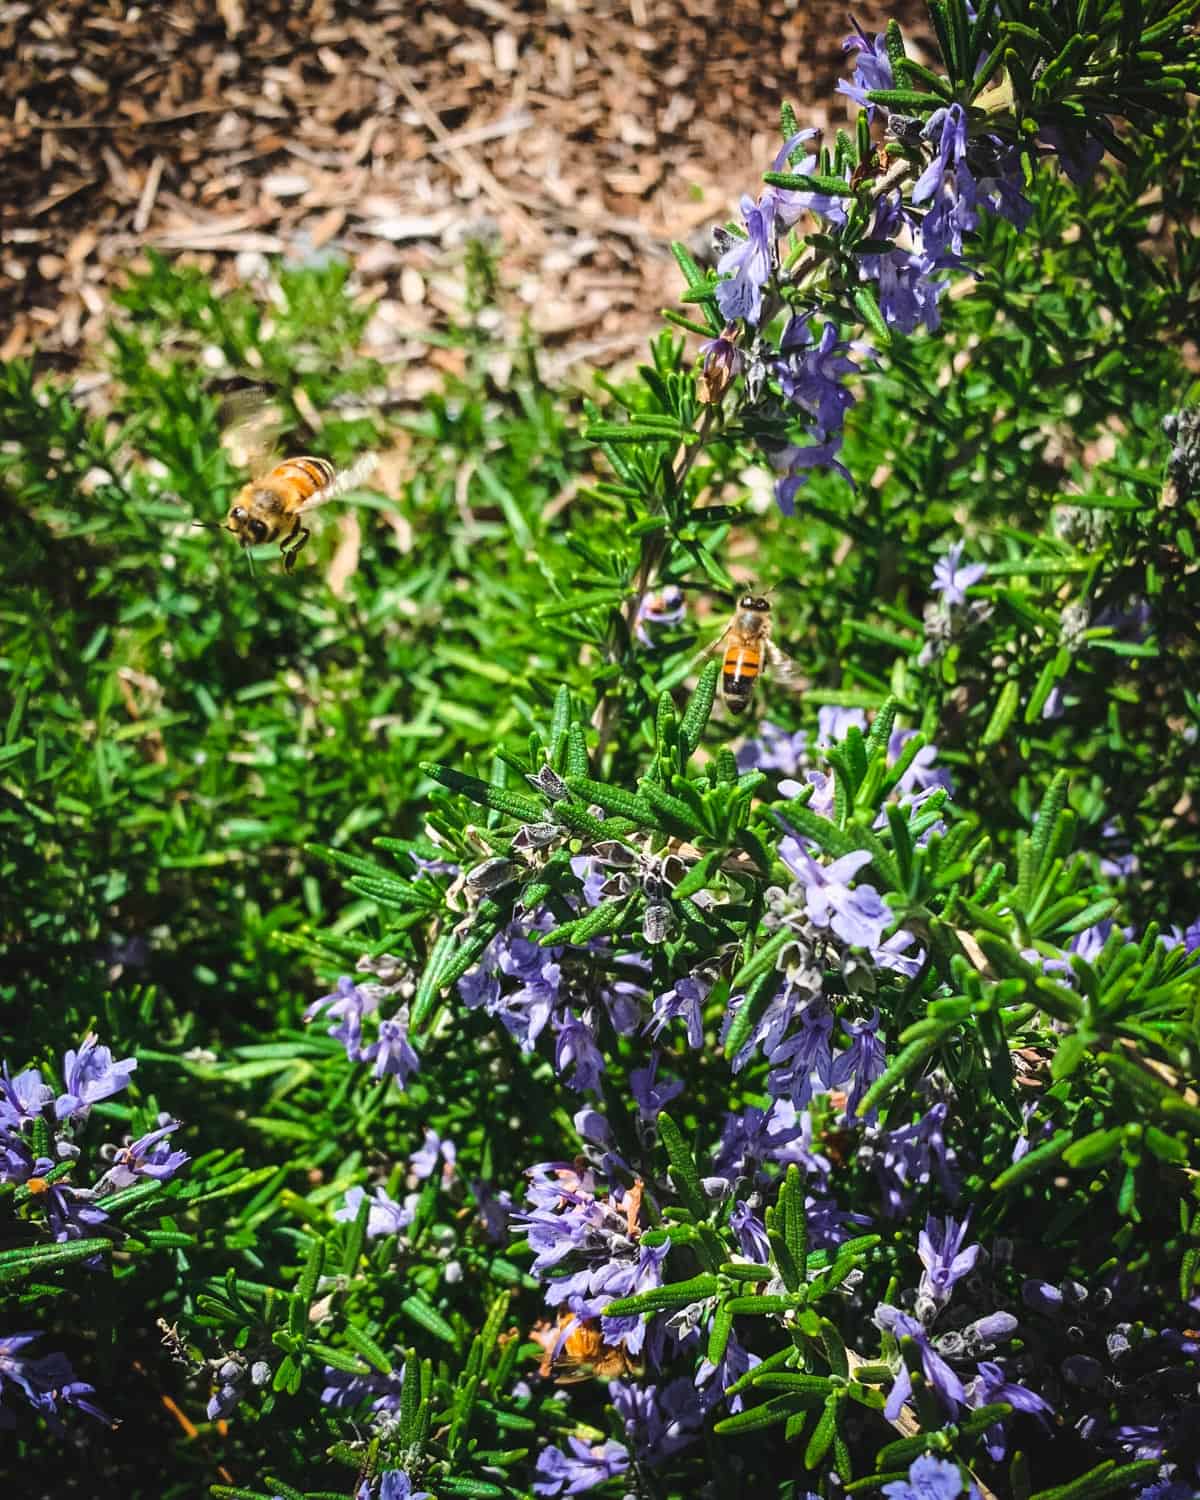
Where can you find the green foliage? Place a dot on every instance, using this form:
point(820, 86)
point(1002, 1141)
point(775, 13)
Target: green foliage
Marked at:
point(474, 746)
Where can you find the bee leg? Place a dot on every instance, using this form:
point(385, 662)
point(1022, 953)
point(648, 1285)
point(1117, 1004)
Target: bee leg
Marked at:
point(297, 537)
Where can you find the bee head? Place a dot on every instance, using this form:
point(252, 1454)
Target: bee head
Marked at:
point(249, 530)
point(756, 603)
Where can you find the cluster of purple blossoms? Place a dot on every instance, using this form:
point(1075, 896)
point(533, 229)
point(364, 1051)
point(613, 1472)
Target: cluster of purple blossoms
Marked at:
point(530, 988)
point(389, 1051)
point(90, 1075)
point(931, 1478)
point(965, 1337)
point(47, 1383)
point(582, 1468)
point(964, 174)
point(587, 1249)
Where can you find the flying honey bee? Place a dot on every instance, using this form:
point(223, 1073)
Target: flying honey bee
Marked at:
point(748, 652)
point(280, 494)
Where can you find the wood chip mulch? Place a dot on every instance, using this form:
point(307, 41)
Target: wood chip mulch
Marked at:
point(582, 136)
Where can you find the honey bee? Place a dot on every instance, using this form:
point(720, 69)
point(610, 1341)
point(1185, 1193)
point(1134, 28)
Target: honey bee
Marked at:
point(582, 1354)
point(275, 501)
point(748, 651)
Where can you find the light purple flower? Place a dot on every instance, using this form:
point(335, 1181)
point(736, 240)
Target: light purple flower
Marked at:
point(749, 262)
point(774, 750)
point(750, 1232)
point(347, 1006)
point(385, 1215)
point(582, 1469)
point(940, 1377)
point(911, 1156)
point(344, 1391)
point(22, 1098)
point(685, 1002)
point(835, 723)
point(991, 1384)
point(149, 1156)
point(794, 460)
point(952, 580)
point(652, 1097)
point(577, 1047)
point(860, 1064)
point(805, 1058)
point(812, 373)
point(872, 69)
point(659, 1423)
point(44, 1382)
point(858, 916)
point(391, 1051)
point(940, 1247)
point(394, 1484)
point(90, 1075)
point(424, 1159)
point(929, 1478)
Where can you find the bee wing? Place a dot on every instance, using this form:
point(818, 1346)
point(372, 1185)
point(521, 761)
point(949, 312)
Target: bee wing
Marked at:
point(342, 482)
point(783, 669)
point(251, 428)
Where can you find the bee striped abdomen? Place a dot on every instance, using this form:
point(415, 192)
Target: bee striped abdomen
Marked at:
point(305, 476)
point(742, 664)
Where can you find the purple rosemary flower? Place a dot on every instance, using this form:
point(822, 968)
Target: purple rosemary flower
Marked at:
point(17, 1161)
point(652, 1097)
point(907, 1159)
point(582, 1469)
point(659, 611)
point(22, 1098)
point(858, 916)
point(872, 69)
point(595, 1237)
point(685, 1002)
point(794, 461)
point(44, 1382)
point(750, 1232)
point(749, 262)
point(90, 1075)
point(940, 1377)
point(940, 1247)
point(394, 1484)
point(1079, 154)
point(72, 1214)
point(391, 1051)
point(149, 1156)
point(834, 723)
point(919, 774)
point(991, 1384)
point(344, 1391)
point(735, 1362)
point(812, 373)
point(860, 1064)
point(347, 1006)
point(659, 1423)
point(930, 1478)
point(804, 1059)
point(966, 173)
point(385, 1215)
point(774, 750)
point(951, 580)
point(525, 1011)
point(424, 1159)
point(577, 1047)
